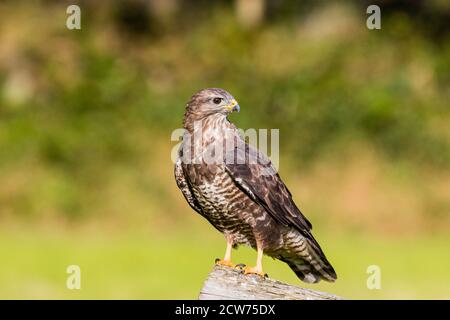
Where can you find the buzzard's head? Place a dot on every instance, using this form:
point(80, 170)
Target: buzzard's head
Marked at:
point(210, 101)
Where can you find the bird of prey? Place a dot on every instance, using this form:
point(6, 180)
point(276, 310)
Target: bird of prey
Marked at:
point(244, 199)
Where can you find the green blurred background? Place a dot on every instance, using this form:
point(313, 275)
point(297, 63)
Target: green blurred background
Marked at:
point(86, 117)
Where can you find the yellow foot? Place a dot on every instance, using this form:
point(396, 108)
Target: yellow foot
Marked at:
point(226, 263)
point(254, 270)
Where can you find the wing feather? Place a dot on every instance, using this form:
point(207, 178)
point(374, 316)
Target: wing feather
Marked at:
point(262, 183)
point(183, 185)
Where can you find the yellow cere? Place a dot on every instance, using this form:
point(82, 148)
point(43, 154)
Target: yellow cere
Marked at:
point(232, 104)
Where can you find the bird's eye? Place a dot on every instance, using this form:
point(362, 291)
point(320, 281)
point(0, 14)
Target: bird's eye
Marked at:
point(217, 100)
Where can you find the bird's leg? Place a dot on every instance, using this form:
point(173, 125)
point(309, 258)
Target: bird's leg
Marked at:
point(258, 269)
point(226, 261)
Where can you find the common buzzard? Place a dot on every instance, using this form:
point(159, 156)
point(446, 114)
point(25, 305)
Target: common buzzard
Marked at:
point(236, 188)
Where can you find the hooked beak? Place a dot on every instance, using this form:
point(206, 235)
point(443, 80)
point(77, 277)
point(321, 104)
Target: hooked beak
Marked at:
point(233, 106)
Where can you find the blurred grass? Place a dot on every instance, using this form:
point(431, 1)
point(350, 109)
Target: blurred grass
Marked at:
point(139, 266)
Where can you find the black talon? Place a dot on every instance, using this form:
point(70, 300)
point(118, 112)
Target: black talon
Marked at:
point(240, 266)
point(266, 275)
point(217, 260)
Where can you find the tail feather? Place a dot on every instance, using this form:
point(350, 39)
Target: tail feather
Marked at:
point(308, 261)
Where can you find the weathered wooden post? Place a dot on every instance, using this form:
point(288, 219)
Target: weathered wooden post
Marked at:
point(225, 283)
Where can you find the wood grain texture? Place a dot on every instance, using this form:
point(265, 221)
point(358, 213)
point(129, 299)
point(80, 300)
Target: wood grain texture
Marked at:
point(224, 283)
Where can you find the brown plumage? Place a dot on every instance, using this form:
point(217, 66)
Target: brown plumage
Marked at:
point(244, 199)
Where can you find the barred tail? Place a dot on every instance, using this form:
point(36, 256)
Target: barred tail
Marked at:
point(307, 260)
